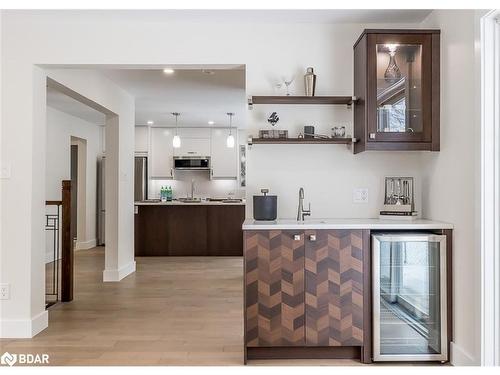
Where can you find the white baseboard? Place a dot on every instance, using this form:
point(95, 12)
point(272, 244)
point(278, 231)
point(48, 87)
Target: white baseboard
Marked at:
point(24, 328)
point(85, 245)
point(117, 275)
point(459, 357)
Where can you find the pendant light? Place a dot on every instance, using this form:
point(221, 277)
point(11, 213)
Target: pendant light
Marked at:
point(176, 141)
point(230, 137)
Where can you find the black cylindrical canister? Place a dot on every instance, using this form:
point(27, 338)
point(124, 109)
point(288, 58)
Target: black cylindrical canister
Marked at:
point(265, 207)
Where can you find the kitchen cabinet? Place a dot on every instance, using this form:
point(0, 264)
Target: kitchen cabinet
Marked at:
point(309, 290)
point(193, 147)
point(142, 139)
point(194, 142)
point(224, 159)
point(396, 83)
point(194, 133)
point(162, 153)
point(274, 267)
point(334, 287)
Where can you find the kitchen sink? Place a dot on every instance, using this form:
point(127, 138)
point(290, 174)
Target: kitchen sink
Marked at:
point(312, 221)
point(231, 201)
point(189, 200)
point(225, 200)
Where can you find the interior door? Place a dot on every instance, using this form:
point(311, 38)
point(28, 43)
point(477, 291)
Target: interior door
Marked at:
point(74, 187)
point(274, 290)
point(334, 287)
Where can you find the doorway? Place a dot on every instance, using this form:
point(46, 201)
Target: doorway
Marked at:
point(79, 194)
point(74, 187)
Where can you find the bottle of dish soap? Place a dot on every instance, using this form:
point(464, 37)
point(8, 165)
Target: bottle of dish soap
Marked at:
point(169, 193)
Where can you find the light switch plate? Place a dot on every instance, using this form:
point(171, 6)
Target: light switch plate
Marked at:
point(5, 170)
point(4, 291)
point(360, 195)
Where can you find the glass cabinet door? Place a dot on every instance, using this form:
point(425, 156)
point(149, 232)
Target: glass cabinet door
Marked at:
point(400, 105)
point(409, 297)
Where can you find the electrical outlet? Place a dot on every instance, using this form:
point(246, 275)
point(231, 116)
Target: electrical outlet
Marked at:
point(4, 291)
point(360, 195)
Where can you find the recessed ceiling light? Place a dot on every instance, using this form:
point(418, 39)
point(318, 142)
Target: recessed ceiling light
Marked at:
point(211, 122)
point(168, 71)
point(150, 122)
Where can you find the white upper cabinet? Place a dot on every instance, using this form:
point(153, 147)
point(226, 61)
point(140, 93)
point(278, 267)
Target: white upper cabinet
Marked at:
point(194, 142)
point(194, 132)
point(193, 147)
point(141, 139)
point(224, 159)
point(162, 152)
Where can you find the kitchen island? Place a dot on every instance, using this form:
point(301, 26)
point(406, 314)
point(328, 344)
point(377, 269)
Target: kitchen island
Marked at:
point(308, 286)
point(206, 228)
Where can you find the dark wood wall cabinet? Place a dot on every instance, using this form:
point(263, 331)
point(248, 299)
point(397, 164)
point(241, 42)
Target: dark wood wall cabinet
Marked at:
point(190, 230)
point(307, 294)
point(396, 83)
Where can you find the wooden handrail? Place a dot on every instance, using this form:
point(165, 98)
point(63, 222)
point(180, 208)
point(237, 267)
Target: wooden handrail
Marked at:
point(67, 253)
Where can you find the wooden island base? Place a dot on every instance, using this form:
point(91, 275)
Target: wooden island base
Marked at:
point(189, 230)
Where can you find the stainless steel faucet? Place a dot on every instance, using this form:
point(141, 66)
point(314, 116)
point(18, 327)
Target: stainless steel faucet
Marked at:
point(301, 213)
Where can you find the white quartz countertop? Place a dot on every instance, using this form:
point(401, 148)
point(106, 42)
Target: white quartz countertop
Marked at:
point(250, 224)
point(179, 203)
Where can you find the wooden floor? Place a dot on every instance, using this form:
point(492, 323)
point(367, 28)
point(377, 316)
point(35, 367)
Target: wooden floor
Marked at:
point(171, 311)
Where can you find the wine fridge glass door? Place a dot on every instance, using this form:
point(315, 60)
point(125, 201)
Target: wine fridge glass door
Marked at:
point(409, 297)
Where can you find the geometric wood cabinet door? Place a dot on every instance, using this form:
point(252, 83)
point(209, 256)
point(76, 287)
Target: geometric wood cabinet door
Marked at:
point(334, 287)
point(274, 290)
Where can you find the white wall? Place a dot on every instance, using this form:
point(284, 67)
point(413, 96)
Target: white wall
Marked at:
point(60, 128)
point(328, 173)
point(23, 146)
point(450, 176)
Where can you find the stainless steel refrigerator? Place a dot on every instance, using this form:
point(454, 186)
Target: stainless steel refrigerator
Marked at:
point(141, 179)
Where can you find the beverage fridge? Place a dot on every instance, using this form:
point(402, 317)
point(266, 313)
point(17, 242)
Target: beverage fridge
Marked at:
point(409, 297)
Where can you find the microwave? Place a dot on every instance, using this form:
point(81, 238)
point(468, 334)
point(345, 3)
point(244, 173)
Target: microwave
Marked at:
point(192, 162)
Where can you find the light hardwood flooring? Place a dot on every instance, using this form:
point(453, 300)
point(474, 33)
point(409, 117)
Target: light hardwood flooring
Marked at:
point(171, 311)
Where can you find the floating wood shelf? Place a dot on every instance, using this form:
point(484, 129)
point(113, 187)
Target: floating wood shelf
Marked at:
point(338, 141)
point(328, 100)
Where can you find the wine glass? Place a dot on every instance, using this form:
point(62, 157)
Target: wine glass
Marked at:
point(287, 83)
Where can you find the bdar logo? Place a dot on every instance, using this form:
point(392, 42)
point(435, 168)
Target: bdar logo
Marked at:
point(8, 359)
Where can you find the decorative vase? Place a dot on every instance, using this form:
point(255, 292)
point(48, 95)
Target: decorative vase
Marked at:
point(392, 73)
point(310, 81)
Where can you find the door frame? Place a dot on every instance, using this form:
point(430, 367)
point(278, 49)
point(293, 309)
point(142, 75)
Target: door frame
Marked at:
point(490, 188)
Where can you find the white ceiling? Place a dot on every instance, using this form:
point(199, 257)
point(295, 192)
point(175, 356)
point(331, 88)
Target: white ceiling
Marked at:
point(252, 15)
point(198, 96)
point(67, 104)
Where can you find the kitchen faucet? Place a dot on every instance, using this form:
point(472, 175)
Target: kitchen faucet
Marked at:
point(301, 213)
point(192, 189)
